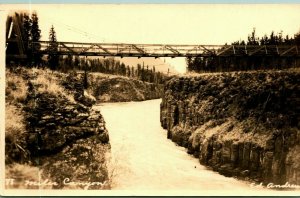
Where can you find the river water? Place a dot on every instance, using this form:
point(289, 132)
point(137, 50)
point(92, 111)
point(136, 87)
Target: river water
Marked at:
point(142, 158)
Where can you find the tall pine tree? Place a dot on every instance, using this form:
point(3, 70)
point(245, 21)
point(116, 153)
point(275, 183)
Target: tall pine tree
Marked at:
point(53, 57)
point(26, 34)
point(35, 36)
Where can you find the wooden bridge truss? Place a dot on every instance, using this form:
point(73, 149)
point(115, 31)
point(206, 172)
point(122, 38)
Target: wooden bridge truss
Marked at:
point(162, 50)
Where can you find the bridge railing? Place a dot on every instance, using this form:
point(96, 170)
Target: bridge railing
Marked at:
point(163, 50)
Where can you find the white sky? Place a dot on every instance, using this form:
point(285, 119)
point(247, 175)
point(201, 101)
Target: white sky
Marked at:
point(164, 24)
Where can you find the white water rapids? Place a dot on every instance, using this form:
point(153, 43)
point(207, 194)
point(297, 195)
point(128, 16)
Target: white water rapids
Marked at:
point(144, 159)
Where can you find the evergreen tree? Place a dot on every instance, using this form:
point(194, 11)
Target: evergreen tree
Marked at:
point(252, 40)
point(132, 72)
point(117, 68)
point(128, 71)
point(235, 63)
point(35, 36)
point(138, 72)
point(297, 39)
point(70, 61)
point(53, 57)
point(143, 73)
point(154, 75)
point(26, 34)
point(85, 76)
point(76, 62)
point(123, 69)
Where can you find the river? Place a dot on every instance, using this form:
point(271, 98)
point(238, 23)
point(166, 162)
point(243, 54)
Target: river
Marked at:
point(142, 158)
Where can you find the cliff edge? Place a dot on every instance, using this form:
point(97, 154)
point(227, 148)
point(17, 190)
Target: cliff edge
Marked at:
point(242, 124)
point(54, 139)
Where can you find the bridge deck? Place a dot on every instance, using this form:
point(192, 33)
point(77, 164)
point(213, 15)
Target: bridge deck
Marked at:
point(161, 50)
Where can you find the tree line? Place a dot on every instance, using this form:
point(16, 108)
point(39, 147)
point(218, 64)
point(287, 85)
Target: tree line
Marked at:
point(110, 66)
point(105, 65)
point(242, 63)
point(30, 32)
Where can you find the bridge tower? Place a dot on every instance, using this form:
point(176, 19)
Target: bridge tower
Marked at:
point(15, 49)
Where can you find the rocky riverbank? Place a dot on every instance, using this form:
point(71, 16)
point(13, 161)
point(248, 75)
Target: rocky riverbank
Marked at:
point(111, 88)
point(54, 139)
point(52, 130)
point(240, 124)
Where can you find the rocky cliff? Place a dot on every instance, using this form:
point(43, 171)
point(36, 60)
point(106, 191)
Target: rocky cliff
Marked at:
point(240, 124)
point(62, 135)
point(111, 88)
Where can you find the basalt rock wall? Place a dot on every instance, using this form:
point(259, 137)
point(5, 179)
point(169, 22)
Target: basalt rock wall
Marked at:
point(240, 124)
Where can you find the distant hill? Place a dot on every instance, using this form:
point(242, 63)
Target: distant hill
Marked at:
point(161, 64)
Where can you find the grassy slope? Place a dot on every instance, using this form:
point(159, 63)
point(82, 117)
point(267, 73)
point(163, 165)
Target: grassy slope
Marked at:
point(68, 163)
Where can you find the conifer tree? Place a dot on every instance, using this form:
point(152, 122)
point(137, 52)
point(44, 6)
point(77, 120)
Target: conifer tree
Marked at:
point(26, 34)
point(53, 57)
point(35, 36)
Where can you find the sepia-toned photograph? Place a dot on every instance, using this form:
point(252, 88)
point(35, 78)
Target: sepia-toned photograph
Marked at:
point(151, 99)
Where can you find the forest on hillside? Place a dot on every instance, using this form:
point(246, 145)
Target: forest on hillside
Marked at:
point(30, 33)
point(244, 63)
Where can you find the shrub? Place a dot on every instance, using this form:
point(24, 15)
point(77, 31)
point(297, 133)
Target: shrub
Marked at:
point(48, 83)
point(14, 134)
point(16, 88)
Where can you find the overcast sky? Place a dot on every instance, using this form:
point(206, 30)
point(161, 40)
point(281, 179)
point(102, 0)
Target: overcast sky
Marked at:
point(164, 24)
